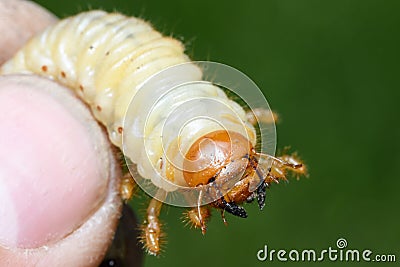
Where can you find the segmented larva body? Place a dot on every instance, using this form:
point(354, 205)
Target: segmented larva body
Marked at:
point(106, 58)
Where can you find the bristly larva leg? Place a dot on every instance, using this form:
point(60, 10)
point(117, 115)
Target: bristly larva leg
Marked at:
point(299, 169)
point(197, 217)
point(280, 166)
point(151, 236)
point(128, 186)
point(223, 217)
point(261, 115)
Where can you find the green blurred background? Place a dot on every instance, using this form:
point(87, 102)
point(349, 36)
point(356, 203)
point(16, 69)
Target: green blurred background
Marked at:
point(331, 70)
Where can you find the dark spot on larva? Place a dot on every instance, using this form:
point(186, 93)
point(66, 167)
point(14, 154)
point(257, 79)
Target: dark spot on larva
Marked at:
point(129, 35)
point(120, 129)
point(81, 87)
point(63, 74)
point(91, 47)
point(44, 68)
point(107, 53)
point(98, 108)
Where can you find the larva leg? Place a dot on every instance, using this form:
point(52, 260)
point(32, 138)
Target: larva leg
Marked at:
point(151, 236)
point(127, 188)
point(296, 167)
point(261, 115)
point(201, 220)
point(280, 165)
point(198, 217)
point(285, 163)
point(223, 217)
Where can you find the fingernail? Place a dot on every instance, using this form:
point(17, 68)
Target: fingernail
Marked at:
point(52, 174)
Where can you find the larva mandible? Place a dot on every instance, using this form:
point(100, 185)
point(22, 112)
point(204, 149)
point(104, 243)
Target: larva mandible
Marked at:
point(183, 134)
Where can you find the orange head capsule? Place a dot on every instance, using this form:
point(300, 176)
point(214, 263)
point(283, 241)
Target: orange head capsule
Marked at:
point(215, 156)
point(225, 158)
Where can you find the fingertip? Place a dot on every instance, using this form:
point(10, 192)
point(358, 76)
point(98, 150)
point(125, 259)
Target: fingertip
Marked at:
point(66, 211)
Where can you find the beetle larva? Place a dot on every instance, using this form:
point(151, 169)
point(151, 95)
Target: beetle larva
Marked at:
point(185, 136)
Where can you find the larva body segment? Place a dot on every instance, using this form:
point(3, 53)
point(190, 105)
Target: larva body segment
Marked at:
point(106, 58)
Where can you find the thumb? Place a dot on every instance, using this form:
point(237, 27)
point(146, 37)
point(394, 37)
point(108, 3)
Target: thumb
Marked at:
point(58, 187)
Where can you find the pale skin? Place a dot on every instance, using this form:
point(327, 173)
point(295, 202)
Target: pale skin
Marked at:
point(59, 186)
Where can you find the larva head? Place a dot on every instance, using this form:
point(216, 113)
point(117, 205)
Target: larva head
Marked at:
point(218, 156)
